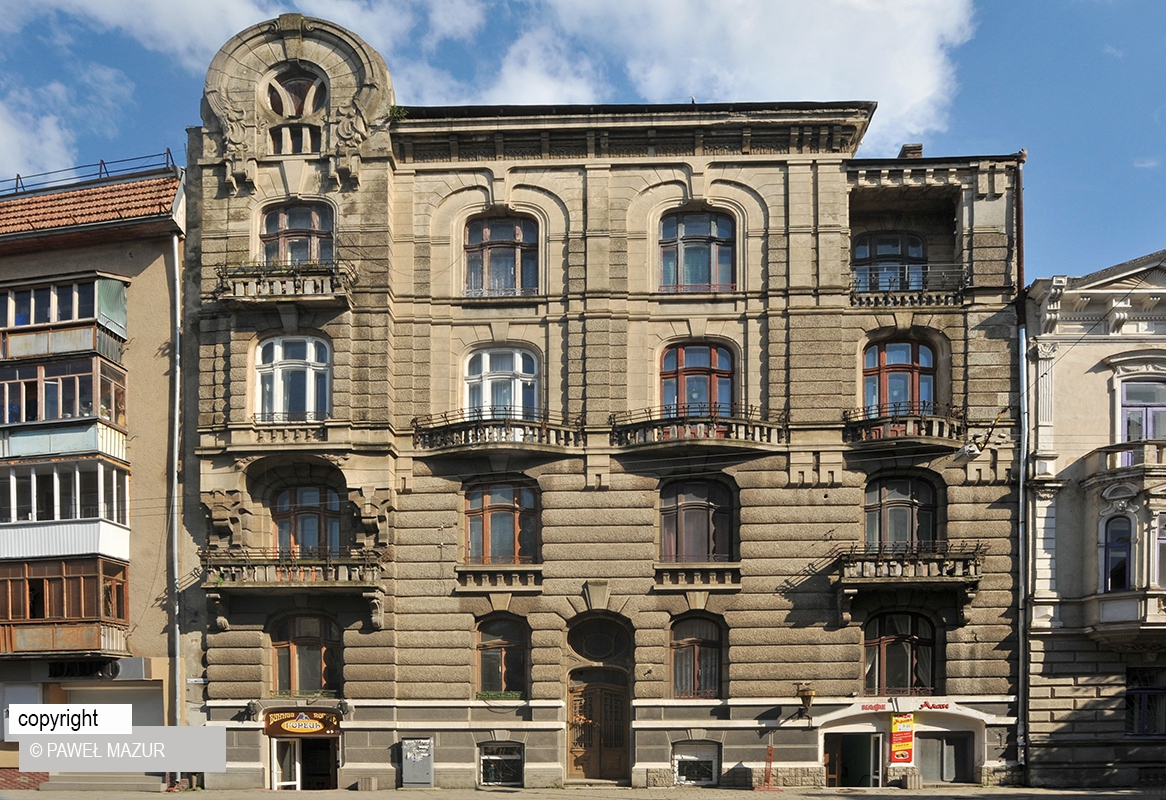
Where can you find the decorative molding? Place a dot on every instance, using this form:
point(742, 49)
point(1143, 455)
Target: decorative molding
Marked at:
point(595, 595)
point(376, 608)
point(219, 609)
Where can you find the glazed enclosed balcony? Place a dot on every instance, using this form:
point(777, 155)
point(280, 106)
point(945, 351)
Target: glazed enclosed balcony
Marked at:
point(892, 423)
point(316, 283)
point(713, 424)
point(504, 427)
point(315, 570)
point(907, 285)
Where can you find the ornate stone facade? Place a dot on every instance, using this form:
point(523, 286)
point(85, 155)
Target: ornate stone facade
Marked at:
point(643, 414)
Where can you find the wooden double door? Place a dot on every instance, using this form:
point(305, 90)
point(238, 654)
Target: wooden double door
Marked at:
point(599, 736)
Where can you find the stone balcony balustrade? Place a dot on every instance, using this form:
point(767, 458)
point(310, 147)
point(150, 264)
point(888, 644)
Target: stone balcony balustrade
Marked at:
point(253, 570)
point(706, 575)
point(699, 423)
point(1136, 459)
point(322, 283)
point(500, 426)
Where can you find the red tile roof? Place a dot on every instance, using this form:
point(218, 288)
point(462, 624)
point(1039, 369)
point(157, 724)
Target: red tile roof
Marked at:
point(115, 202)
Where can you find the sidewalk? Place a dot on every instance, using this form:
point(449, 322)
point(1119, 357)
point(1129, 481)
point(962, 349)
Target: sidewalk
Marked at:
point(611, 793)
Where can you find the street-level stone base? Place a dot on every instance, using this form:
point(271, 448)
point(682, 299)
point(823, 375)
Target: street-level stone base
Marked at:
point(1000, 776)
point(793, 776)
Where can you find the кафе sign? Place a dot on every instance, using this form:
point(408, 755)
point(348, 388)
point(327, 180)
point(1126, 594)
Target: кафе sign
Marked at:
point(301, 722)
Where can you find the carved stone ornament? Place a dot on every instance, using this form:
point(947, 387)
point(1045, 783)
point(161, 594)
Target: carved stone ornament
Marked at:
point(376, 609)
point(1046, 350)
point(374, 505)
point(1138, 362)
point(219, 610)
point(226, 510)
point(1121, 498)
point(1047, 492)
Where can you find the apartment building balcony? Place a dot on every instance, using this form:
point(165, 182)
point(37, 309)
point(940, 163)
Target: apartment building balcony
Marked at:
point(498, 427)
point(64, 538)
point(1129, 622)
point(314, 570)
point(908, 566)
point(81, 434)
point(40, 638)
point(514, 575)
point(38, 341)
point(1140, 460)
point(319, 284)
point(707, 424)
point(907, 285)
point(897, 424)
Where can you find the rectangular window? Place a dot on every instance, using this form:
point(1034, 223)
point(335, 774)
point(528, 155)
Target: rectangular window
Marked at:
point(63, 302)
point(66, 590)
point(48, 492)
point(501, 765)
point(1145, 702)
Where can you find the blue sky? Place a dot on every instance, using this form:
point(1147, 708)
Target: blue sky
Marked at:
point(1081, 84)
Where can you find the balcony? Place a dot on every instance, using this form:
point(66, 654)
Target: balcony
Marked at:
point(498, 426)
point(712, 575)
point(85, 434)
point(1138, 460)
point(62, 538)
point(43, 638)
point(721, 424)
point(1128, 622)
point(510, 577)
point(321, 284)
point(933, 423)
point(316, 570)
point(907, 285)
point(927, 566)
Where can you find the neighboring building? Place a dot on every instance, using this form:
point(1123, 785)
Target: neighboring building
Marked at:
point(1097, 368)
point(560, 443)
point(88, 269)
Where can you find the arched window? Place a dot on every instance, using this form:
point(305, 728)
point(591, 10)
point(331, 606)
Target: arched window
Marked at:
point(297, 235)
point(502, 648)
point(696, 658)
point(898, 378)
point(900, 655)
point(293, 377)
point(294, 95)
point(307, 522)
point(308, 659)
point(696, 522)
point(502, 384)
point(501, 524)
point(1117, 554)
point(696, 252)
point(890, 261)
point(900, 513)
point(1143, 407)
point(501, 257)
point(697, 380)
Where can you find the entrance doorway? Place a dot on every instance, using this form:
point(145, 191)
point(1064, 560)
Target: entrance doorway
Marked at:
point(854, 759)
point(304, 763)
point(944, 757)
point(598, 738)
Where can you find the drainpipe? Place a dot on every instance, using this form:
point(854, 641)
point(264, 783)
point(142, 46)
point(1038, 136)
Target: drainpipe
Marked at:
point(175, 390)
point(1022, 510)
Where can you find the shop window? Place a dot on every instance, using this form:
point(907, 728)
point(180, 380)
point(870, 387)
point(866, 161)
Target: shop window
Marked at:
point(1145, 701)
point(696, 380)
point(502, 655)
point(1117, 554)
point(889, 261)
point(501, 257)
point(695, 763)
point(65, 590)
point(501, 524)
point(900, 514)
point(696, 252)
point(293, 375)
point(500, 764)
point(307, 522)
point(696, 522)
point(900, 655)
point(298, 235)
point(696, 658)
point(502, 384)
point(898, 378)
point(307, 658)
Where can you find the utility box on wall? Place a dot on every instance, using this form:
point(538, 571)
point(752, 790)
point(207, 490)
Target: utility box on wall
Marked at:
point(416, 763)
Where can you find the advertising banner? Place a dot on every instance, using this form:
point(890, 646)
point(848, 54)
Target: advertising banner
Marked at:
point(902, 738)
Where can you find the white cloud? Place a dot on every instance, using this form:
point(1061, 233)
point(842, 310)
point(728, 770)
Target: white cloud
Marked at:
point(1110, 50)
point(892, 51)
point(32, 137)
point(459, 20)
point(540, 68)
point(1147, 163)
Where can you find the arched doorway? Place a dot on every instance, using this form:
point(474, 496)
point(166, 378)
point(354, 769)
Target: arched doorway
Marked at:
point(598, 733)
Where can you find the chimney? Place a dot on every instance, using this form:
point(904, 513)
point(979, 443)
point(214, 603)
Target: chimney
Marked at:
point(914, 150)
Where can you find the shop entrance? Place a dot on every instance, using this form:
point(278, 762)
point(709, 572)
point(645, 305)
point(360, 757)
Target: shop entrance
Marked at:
point(944, 757)
point(599, 725)
point(854, 759)
point(306, 763)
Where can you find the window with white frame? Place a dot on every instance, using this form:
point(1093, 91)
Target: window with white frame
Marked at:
point(42, 305)
point(293, 380)
point(502, 383)
point(49, 492)
point(695, 763)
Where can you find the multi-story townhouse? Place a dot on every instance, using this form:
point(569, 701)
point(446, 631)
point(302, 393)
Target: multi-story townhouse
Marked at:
point(89, 265)
point(1097, 607)
point(648, 444)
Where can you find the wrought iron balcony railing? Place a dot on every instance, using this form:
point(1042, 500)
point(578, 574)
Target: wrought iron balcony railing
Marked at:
point(907, 284)
point(497, 425)
point(502, 291)
point(290, 417)
point(689, 421)
point(896, 420)
point(939, 560)
point(298, 565)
